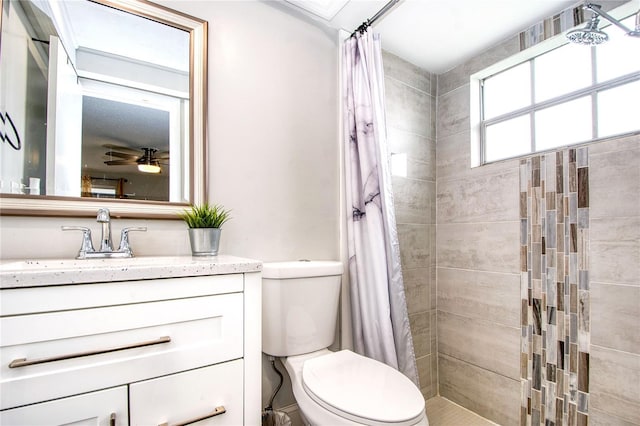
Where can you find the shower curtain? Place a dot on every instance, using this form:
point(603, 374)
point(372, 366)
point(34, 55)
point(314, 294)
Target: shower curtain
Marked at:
point(380, 320)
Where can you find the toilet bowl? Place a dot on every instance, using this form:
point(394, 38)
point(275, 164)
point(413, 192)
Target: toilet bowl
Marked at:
point(299, 314)
point(344, 388)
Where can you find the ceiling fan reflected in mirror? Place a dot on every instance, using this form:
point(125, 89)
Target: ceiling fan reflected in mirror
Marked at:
point(148, 160)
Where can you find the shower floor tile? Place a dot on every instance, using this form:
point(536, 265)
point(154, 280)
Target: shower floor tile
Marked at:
point(442, 412)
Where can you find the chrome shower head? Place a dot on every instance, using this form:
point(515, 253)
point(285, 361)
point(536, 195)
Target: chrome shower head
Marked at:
point(590, 34)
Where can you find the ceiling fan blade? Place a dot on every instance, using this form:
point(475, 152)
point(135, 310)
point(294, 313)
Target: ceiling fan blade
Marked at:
point(120, 163)
point(121, 155)
point(123, 148)
point(161, 154)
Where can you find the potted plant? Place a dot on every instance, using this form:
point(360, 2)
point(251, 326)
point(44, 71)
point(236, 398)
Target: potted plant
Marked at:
point(204, 223)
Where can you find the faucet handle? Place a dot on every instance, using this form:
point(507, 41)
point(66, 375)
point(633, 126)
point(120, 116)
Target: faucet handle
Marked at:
point(87, 244)
point(125, 247)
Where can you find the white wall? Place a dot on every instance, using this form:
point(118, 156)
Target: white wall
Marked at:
point(273, 144)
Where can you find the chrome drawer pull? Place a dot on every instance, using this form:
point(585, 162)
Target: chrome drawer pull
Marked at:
point(112, 419)
point(23, 362)
point(216, 412)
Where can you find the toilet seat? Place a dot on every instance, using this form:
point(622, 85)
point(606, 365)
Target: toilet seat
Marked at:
point(362, 390)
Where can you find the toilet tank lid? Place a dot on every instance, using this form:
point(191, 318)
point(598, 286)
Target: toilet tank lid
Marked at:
point(301, 269)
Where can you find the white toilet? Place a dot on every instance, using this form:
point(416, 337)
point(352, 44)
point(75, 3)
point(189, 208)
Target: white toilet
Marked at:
point(299, 313)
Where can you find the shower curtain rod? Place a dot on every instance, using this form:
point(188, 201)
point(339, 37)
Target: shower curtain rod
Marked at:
point(366, 24)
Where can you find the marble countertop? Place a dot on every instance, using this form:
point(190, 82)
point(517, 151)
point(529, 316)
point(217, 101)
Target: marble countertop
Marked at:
point(42, 272)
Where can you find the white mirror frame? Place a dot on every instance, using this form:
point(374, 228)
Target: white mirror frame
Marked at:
point(30, 205)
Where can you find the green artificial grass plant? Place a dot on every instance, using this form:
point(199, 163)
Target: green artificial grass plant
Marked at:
point(206, 216)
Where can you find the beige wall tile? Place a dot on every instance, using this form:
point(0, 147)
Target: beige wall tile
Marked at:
point(434, 84)
point(414, 200)
point(417, 286)
point(488, 394)
point(615, 316)
point(420, 170)
point(613, 230)
point(428, 386)
point(453, 157)
point(601, 418)
point(488, 296)
point(612, 145)
point(453, 160)
point(433, 315)
point(459, 75)
point(479, 246)
point(419, 148)
point(421, 333)
point(411, 130)
point(614, 383)
point(401, 70)
point(408, 109)
point(453, 112)
point(485, 344)
point(414, 246)
point(614, 183)
point(615, 262)
point(434, 286)
point(487, 198)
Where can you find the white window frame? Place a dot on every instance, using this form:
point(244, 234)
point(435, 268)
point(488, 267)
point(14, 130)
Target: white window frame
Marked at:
point(479, 125)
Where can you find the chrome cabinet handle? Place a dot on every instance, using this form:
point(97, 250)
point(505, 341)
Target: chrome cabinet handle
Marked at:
point(216, 412)
point(23, 362)
point(112, 419)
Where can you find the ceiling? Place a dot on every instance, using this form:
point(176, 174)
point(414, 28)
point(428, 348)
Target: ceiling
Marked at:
point(93, 24)
point(436, 35)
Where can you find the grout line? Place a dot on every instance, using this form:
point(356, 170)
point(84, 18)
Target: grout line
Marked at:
point(408, 85)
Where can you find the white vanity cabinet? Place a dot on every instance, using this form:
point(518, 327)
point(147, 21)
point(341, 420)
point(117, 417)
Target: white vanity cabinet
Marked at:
point(141, 352)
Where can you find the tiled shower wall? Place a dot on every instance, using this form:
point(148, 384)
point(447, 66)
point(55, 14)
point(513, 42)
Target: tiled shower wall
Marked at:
point(478, 267)
point(410, 104)
point(614, 255)
point(478, 263)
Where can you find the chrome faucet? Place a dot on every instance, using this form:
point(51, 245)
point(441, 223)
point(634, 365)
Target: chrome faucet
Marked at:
point(106, 243)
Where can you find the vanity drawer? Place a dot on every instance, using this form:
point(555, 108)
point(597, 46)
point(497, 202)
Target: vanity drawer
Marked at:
point(20, 301)
point(213, 394)
point(82, 350)
point(102, 408)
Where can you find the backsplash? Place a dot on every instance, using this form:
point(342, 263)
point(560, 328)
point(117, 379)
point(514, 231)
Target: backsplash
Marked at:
point(554, 215)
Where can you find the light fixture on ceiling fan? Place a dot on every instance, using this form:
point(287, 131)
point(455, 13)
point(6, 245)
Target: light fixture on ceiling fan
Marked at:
point(148, 162)
point(151, 166)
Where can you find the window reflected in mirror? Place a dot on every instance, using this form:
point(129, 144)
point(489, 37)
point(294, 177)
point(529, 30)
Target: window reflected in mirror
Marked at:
point(94, 102)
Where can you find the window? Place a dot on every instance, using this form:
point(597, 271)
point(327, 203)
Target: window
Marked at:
point(571, 94)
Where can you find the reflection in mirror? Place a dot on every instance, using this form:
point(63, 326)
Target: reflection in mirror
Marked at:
point(97, 102)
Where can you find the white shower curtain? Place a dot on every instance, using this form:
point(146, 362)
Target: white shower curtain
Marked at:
point(380, 320)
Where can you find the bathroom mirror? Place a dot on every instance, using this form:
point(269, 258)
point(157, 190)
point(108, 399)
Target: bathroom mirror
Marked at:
point(102, 104)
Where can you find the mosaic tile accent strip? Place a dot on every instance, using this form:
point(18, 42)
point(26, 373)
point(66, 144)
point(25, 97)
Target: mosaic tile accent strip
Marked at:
point(552, 26)
point(554, 238)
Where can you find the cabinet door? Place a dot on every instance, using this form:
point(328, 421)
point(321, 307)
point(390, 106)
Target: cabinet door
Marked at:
point(102, 408)
point(212, 394)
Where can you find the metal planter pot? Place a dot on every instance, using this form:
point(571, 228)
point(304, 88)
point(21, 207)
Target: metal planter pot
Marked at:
point(204, 241)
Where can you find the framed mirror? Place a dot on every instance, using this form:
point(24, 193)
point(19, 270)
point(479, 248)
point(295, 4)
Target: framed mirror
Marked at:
point(102, 104)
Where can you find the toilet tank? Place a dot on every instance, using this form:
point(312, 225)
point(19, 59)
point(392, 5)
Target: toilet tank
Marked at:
point(299, 306)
